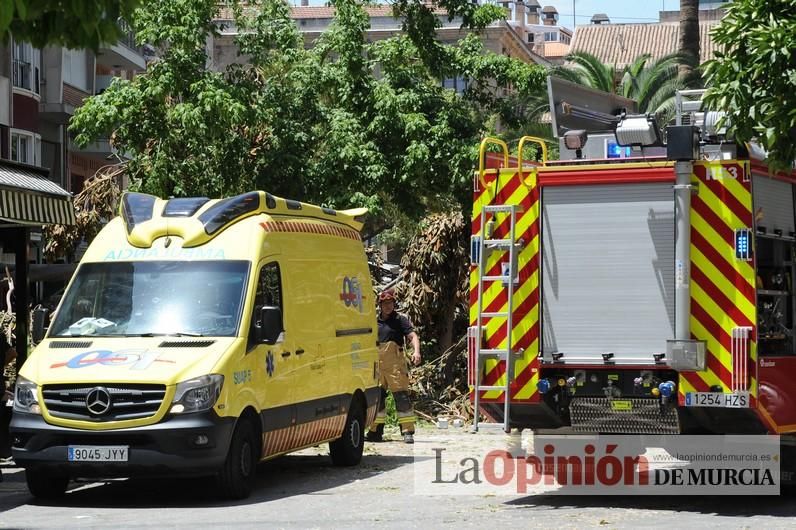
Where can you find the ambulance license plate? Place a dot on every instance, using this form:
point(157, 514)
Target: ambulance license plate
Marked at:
point(735, 400)
point(97, 453)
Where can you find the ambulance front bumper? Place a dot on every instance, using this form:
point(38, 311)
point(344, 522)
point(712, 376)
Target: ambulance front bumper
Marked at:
point(193, 444)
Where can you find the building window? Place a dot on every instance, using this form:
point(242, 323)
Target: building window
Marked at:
point(458, 84)
point(530, 38)
point(551, 36)
point(26, 66)
point(25, 147)
point(76, 69)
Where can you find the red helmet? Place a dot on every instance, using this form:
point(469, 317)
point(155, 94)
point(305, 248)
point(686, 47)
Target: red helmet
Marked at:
point(387, 294)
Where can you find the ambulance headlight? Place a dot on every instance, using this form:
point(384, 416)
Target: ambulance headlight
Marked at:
point(26, 397)
point(196, 395)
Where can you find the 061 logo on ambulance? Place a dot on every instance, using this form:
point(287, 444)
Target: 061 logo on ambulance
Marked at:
point(352, 293)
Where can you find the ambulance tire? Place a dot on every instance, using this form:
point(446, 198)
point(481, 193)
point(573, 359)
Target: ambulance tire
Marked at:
point(44, 484)
point(236, 479)
point(347, 450)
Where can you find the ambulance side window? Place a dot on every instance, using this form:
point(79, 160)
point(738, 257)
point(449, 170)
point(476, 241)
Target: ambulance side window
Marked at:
point(269, 293)
point(269, 287)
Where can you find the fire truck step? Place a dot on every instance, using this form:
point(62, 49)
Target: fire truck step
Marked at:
point(488, 314)
point(495, 278)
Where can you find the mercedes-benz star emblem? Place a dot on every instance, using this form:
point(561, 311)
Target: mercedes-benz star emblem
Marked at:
point(98, 401)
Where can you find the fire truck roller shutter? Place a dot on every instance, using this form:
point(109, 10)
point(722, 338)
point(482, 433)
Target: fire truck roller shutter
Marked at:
point(774, 200)
point(608, 272)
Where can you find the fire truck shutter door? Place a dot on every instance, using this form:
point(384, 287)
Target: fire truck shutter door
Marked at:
point(608, 271)
point(775, 197)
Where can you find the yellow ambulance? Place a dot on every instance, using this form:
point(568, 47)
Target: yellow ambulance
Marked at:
point(198, 337)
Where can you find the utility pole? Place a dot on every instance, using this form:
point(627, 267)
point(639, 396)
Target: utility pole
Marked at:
point(573, 15)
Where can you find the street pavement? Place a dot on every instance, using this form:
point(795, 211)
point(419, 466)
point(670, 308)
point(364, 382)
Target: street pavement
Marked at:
point(305, 491)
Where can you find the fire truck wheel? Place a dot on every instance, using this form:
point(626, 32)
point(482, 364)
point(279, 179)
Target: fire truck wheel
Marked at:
point(236, 479)
point(45, 484)
point(347, 450)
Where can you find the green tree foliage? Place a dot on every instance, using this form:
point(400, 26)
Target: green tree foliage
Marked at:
point(344, 123)
point(753, 77)
point(69, 23)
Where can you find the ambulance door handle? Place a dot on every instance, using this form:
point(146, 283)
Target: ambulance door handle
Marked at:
point(285, 354)
point(299, 351)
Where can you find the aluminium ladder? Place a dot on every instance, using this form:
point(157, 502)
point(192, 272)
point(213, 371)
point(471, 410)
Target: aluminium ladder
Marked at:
point(508, 278)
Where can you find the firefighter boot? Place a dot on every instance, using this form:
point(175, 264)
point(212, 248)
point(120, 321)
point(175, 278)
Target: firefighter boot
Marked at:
point(376, 435)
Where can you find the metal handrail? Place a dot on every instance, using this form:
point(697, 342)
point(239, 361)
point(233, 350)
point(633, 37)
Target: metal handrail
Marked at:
point(482, 151)
point(520, 158)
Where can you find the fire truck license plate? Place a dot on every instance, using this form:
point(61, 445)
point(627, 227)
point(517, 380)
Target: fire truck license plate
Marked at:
point(94, 453)
point(737, 400)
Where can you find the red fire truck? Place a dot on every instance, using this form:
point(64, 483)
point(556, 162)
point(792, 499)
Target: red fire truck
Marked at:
point(627, 289)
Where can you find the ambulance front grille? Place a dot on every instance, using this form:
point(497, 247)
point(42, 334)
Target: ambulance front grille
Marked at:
point(127, 401)
point(627, 416)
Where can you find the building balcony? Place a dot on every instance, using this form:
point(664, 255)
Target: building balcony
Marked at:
point(124, 54)
point(100, 149)
point(60, 110)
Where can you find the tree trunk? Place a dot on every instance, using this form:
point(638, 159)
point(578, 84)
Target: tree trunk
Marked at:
point(689, 36)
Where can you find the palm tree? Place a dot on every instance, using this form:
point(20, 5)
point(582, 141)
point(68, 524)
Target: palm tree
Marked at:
point(689, 36)
point(651, 83)
point(587, 70)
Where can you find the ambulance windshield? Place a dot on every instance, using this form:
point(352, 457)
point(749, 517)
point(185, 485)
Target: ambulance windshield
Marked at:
point(149, 298)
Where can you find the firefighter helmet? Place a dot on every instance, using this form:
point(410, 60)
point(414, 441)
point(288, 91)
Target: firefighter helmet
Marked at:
point(387, 294)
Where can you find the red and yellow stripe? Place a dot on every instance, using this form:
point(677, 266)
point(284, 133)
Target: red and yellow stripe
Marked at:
point(722, 286)
point(510, 188)
point(282, 441)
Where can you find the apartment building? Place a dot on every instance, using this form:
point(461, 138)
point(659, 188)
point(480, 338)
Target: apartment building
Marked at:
point(539, 28)
point(500, 37)
point(39, 92)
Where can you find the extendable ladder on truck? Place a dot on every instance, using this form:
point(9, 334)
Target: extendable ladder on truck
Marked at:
point(508, 277)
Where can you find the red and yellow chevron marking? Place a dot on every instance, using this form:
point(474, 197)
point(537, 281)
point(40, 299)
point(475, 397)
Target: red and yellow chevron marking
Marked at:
point(296, 437)
point(509, 188)
point(310, 227)
point(722, 286)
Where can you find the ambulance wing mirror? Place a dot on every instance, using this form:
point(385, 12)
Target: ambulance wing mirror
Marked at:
point(40, 317)
point(268, 325)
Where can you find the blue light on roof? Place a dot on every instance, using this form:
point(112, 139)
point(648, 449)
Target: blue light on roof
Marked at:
point(617, 151)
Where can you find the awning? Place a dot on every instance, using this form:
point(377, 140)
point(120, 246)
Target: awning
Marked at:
point(28, 197)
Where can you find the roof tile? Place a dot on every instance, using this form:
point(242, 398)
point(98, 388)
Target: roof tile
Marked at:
point(621, 44)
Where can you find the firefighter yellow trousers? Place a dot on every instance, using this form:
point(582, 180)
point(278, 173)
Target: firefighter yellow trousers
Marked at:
point(394, 376)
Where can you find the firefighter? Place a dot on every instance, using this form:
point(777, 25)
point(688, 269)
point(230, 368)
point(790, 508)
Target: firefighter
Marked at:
point(394, 328)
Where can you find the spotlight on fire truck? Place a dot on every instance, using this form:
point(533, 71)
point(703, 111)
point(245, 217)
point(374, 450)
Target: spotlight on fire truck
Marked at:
point(667, 389)
point(638, 129)
point(575, 139)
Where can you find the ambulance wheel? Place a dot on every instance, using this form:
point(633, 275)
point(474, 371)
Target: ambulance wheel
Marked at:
point(236, 479)
point(45, 484)
point(347, 450)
